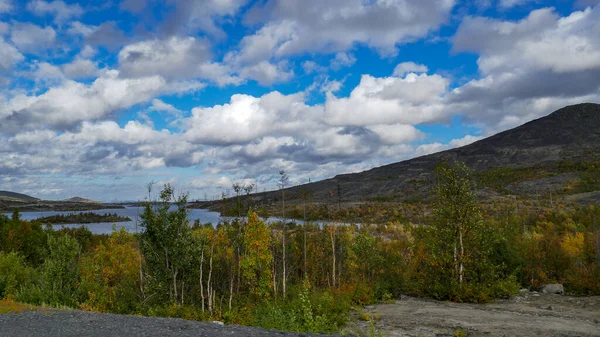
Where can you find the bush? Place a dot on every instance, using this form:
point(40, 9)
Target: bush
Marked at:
point(59, 275)
point(13, 274)
point(302, 312)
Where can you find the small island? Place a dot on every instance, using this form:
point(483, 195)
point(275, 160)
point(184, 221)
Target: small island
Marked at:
point(82, 218)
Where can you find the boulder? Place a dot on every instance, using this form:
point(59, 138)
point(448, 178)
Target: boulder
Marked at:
point(553, 289)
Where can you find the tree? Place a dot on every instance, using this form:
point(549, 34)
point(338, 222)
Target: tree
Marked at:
point(460, 261)
point(248, 189)
point(110, 274)
point(238, 188)
point(282, 183)
point(305, 196)
point(457, 212)
point(165, 245)
point(256, 263)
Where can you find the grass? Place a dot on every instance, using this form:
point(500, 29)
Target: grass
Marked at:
point(8, 306)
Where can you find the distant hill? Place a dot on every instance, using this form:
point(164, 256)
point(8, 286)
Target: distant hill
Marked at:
point(557, 154)
point(13, 196)
point(82, 200)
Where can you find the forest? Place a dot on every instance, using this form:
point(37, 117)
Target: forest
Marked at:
point(81, 218)
point(302, 277)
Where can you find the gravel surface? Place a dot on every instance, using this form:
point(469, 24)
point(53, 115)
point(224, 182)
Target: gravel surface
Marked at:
point(529, 314)
point(59, 323)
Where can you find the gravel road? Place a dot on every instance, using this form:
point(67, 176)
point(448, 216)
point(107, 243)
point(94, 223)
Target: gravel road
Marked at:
point(59, 323)
point(529, 314)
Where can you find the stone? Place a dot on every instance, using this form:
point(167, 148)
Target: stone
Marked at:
point(553, 289)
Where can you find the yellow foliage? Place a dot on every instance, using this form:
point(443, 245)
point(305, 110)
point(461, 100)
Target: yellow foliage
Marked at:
point(572, 244)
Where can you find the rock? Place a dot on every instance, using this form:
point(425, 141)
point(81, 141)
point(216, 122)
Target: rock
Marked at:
point(535, 295)
point(550, 307)
point(218, 323)
point(523, 290)
point(553, 289)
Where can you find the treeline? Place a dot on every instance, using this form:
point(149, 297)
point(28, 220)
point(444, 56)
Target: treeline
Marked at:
point(300, 278)
point(82, 218)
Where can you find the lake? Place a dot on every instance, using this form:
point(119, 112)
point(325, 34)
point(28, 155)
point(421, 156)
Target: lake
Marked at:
point(132, 212)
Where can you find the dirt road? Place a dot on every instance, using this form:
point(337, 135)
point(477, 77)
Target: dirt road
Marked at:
point(529, 314)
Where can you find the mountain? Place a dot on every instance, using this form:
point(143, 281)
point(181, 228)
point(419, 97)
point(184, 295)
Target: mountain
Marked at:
point(12, 196)
point(82, 200)
point(557, 154)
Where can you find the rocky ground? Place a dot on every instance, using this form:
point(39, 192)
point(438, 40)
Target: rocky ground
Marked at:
point(529, 314)
point(75, 323)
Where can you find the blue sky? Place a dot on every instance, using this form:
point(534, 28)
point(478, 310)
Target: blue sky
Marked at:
point(99, 98)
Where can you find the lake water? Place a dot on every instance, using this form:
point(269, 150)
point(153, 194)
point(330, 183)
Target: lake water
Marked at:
point(133, 213)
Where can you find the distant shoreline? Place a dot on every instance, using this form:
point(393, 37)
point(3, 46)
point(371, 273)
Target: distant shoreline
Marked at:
point(54, 206)
point(81, 218)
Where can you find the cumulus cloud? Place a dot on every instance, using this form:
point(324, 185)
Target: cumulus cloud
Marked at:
point(6, 6)
point(72, 102)
point(412, 99)
point(529, 67)
point(134, 6)
point(342, 60)
point(61, 11)
point(298, 26)
point(160, 106)
point(541, 41)
point(30, 38)
point(246, 118)
point(108, 34)
point(409, 67)
point(81, 68)
point(506, 4)
point(174, 58)
point(9, 56)
point(193, 16)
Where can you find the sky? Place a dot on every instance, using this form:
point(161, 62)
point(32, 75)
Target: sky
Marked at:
point(100, 98)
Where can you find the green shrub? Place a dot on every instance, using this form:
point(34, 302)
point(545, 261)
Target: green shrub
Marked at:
point(13, 274)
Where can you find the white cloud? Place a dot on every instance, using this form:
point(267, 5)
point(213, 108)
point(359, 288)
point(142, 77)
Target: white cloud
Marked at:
point(160, 106)
point(4, 28)
point(47, 72)
point(61, 11)
point(266, 73)
point(9, 56)
point(409, 67)
point(246, 118)
point(30, 38)
point(191, 16)
point(425, 149)
point(310, 67)
point(6, 6)
point(397, 133)
point(466, 140)
point(72, 102)
point(342, 60)
point(529, 67)
point(298, 26)
point(174, 58)
point(541, 41)
point(413, 99)
point(78, 28)
point(506, 4)
point(81, 68)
